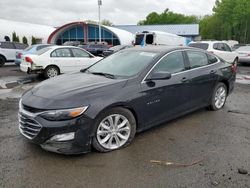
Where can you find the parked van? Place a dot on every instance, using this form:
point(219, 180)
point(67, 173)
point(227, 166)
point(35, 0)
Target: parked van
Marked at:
point(159, 38)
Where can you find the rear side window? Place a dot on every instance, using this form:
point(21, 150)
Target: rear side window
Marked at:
point(197, 59)
point(7, 45)
point(42, 46)
point(211, 59)
point(203, 46)
point(42, 51)
point(222, 47)
point(63, 52)
point(172, 63)
point(20, 46)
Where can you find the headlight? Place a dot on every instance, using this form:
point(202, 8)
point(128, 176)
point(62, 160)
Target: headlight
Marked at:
point(58, 115)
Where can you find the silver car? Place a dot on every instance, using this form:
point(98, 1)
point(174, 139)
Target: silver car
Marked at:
point(244, 54)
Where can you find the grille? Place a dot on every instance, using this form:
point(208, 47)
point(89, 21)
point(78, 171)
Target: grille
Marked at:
point(28, 126)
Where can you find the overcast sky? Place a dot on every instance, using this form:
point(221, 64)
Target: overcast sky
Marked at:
point(58, 12)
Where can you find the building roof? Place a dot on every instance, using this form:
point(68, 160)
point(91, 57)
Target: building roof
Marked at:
point(7, 27)
point(124, 36)
point(178, 29)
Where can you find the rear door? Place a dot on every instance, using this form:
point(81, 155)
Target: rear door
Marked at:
point(165, 99)
point(8, 50)
point(203, 76)
point(224, 51)
point(64, 59)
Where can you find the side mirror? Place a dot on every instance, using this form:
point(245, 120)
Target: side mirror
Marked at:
point(159, 76)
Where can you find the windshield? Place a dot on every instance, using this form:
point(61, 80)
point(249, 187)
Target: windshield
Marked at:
point(124, 63)
point(42, 51)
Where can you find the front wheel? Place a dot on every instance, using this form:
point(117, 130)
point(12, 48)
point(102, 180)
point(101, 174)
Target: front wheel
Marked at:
point(114, 129)
point(2, 61)
point(219, 97)
point(51, 71)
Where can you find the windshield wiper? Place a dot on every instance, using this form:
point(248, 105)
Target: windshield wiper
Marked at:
point(104, 74)
point(84, 70)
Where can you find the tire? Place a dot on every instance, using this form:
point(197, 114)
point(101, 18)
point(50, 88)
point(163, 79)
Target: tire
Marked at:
point(51, 71)
point(107, 134)
point(2, 61)
point(219, 97)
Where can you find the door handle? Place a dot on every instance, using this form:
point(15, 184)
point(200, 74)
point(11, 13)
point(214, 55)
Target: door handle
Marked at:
point(184, 79)
point(213, 71)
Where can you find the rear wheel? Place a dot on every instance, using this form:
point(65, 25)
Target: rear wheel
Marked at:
point(219, 97)
point(114, 129)
point(2, 61)
point(51, 71)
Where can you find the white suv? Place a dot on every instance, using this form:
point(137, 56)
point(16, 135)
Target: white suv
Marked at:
point(8, 51)
point(218, 48)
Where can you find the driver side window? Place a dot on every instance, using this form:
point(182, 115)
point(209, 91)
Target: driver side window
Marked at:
point(172, 63)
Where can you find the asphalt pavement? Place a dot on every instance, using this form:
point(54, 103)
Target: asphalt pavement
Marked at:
point(201, 149)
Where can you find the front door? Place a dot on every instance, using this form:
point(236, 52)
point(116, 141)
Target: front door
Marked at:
point(164, 99)
point(82, 58)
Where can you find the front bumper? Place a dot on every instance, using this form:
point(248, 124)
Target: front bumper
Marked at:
point(24, 67)
point(18, 61)
point(81, 126)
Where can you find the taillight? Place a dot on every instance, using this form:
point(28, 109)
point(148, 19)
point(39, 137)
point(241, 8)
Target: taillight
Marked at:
point(19, 55)
point(234, 67)
point(29, 60)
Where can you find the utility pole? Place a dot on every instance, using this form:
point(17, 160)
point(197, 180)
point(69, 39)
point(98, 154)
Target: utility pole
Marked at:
point(99, 14)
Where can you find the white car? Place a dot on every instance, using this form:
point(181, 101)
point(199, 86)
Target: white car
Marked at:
point(218, 48)
point(55, 60)
point(8, 51)
point(244, 54)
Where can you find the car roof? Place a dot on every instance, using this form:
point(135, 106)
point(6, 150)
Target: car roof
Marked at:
point(208, 41)
point(57, 47)
point(159, 49)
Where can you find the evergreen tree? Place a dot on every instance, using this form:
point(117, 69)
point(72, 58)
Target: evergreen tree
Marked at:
point(25, 41)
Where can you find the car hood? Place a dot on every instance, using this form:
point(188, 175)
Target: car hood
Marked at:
point(70, 90)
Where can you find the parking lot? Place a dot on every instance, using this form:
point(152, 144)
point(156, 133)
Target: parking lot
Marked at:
point(202, 149)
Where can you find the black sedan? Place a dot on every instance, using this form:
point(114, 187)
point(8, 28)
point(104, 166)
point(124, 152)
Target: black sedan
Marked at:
point(128, 92)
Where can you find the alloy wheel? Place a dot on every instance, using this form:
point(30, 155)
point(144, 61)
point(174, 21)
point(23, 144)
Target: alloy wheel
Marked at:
point(52, 72)
point(113, 131)
point(220, 97)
